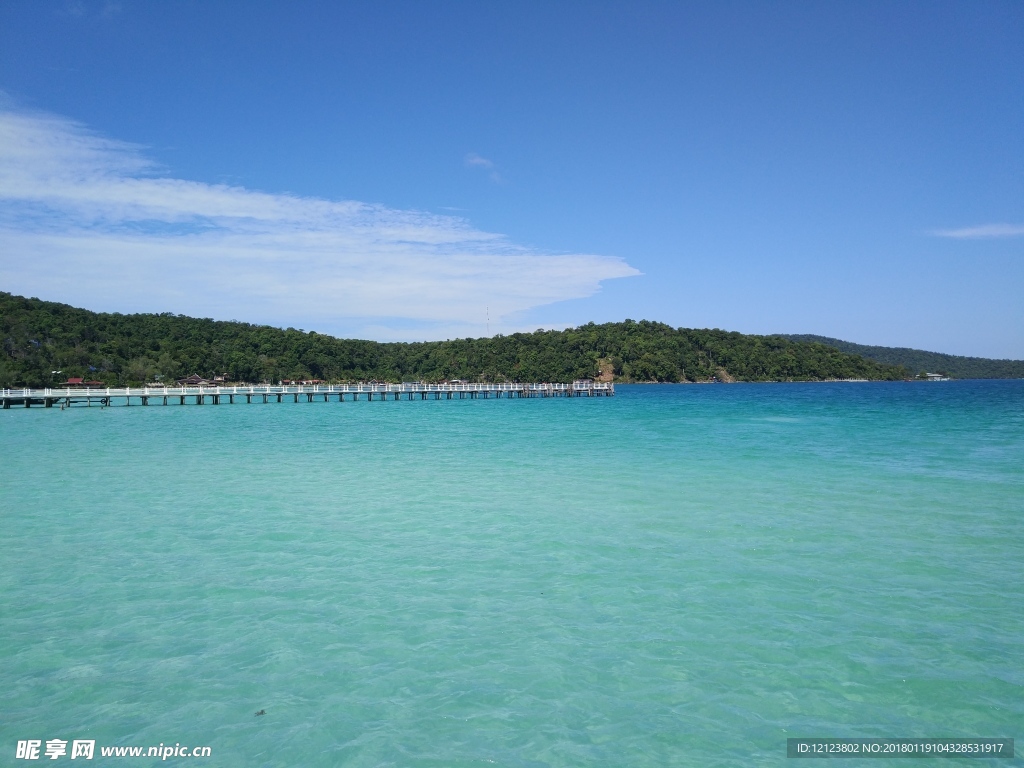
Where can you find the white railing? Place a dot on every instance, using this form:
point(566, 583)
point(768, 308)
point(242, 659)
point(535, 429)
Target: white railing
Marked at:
point(300, 389)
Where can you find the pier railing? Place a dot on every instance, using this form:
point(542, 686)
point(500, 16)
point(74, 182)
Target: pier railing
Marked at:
point(214, 394)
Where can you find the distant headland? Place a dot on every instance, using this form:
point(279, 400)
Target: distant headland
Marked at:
point(919, 361)
point(46, 343)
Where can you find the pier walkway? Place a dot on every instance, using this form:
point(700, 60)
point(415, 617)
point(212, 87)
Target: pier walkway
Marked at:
point(78, 396)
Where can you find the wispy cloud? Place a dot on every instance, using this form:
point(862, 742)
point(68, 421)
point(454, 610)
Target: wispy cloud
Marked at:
point(80, 9)
point(92, 221)
point(473, 160)
point(982, 231)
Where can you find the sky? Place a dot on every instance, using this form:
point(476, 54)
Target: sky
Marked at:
point(425, 170)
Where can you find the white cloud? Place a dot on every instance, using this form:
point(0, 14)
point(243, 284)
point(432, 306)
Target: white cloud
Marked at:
point(473, 160)
point(91, 221)
point(983, 231)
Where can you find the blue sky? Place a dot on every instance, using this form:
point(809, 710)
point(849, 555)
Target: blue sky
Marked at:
point(401, 170)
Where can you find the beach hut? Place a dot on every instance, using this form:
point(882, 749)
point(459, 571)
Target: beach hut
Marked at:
point(193, 381)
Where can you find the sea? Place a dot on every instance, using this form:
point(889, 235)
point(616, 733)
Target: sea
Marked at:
point(680, 575)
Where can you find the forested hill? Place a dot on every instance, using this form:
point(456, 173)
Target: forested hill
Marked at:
point(40, 337)
point(919, 361)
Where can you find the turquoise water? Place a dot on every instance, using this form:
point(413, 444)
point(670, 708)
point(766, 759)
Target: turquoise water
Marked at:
point(680, 575)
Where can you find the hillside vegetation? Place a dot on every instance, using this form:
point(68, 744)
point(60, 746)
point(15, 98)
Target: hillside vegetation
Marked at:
point(919, 361)
point(40, 337)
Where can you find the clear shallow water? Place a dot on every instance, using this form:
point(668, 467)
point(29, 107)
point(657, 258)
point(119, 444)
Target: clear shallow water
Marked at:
point(680, 575)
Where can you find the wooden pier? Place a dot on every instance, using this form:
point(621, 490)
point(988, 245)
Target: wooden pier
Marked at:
point(125, 396)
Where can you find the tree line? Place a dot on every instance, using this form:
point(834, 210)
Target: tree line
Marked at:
point(42, 337)
point(920, 361)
